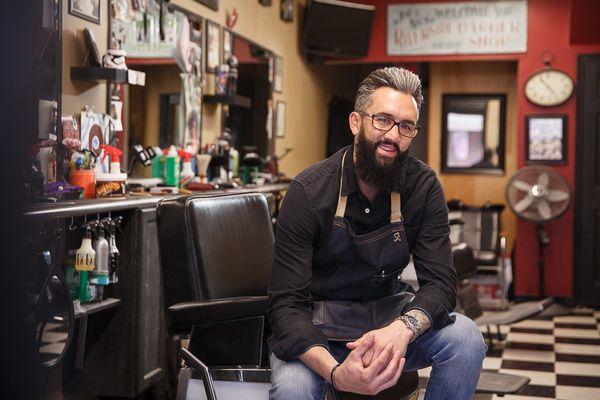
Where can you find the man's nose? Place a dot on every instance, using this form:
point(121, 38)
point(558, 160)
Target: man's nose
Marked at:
point(393, 134)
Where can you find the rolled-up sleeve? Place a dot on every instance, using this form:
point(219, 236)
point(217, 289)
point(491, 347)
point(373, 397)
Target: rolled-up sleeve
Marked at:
point(432, 258)
point(290, 306)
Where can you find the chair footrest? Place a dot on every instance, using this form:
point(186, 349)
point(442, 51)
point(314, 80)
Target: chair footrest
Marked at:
point(498, 383)
point(251, 374)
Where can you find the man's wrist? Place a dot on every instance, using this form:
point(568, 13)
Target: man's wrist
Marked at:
point(412, 324)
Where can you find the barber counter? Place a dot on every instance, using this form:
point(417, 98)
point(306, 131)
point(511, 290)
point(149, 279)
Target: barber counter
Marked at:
point(119, 346)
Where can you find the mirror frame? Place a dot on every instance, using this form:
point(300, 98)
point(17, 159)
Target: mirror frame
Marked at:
point(271, 55)
point(476, 105)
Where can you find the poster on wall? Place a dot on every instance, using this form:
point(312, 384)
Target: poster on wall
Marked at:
point(479, 27)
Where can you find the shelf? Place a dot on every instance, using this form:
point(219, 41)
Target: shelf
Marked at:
point(151, 61)
point(112, 75)
point(94, 307)
point(233, 100)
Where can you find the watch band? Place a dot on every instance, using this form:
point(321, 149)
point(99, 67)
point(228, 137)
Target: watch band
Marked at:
point(413, 324)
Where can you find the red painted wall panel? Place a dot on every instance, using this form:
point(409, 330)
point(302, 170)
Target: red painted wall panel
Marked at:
point(549, 28)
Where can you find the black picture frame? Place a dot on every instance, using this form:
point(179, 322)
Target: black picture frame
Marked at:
point(212, 4)
point(213, 48)
point(80, 13)
point(546, 139)
point(473, 133)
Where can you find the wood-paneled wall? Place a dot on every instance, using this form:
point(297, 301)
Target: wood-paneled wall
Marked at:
point(475, 77)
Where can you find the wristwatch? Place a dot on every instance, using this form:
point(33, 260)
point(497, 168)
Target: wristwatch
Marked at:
point(413, 324)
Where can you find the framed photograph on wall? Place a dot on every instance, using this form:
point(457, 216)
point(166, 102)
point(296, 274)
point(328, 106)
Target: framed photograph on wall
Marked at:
point(546, 139)
point(227, 44)
point(278, 74)
point(213, 46)
point(280, 119)
point(473, 128)
point(86, 9)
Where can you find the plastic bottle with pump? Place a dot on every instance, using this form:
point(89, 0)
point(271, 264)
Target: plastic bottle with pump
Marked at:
point(100, 274)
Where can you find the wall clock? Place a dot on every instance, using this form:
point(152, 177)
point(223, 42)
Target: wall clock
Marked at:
point(549, 87)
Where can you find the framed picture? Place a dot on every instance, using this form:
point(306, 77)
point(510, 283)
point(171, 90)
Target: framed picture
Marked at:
point(473, 128)
point(278, 74)
point(280, 119)
point(86, 9)
point(546, 139)
point(227, 44)
point(266, 3)
point(212, 4)
point(213, 47)
point(287, 10)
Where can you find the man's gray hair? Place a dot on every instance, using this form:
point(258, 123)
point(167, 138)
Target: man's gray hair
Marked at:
point(393, 77)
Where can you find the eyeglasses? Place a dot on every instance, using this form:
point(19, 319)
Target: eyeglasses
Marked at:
point(384, 123)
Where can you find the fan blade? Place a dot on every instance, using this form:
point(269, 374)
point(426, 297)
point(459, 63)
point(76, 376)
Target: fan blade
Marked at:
point(544, 209)
point(523, 203)
point(521, 185)
point(557, 195)
point(544, 179)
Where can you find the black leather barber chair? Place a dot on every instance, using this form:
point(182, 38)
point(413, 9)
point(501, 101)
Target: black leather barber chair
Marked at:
point(216, 256)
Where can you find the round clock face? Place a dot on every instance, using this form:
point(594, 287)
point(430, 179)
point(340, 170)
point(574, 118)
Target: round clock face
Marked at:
point(549, 87)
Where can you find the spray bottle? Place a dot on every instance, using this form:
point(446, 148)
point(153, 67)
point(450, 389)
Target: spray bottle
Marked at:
point(187, 174)
point(171, 166)
point(100, 274)
point(85, 262)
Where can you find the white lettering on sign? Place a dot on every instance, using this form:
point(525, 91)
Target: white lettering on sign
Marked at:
point(457, 28)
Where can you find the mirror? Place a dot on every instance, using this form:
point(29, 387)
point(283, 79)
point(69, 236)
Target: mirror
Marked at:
point(167, 109)
point(251, 127)
point(473, 128)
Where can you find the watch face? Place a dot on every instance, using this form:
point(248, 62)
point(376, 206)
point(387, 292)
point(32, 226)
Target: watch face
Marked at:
point(549, 87)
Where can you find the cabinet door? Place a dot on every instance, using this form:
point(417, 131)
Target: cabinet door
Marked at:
point(150, 327)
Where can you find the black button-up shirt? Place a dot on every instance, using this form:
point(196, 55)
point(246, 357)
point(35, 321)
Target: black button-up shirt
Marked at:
point(305, 221)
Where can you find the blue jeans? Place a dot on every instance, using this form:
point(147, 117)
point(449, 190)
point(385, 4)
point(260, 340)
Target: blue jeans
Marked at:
point(455, 352)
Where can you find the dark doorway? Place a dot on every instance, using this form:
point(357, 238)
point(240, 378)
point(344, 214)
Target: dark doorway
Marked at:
point(587, 183)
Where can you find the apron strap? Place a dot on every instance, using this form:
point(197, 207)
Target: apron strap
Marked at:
point(396, 208)
point(341, 206)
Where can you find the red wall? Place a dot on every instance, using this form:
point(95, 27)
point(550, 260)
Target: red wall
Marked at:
point(549, 27)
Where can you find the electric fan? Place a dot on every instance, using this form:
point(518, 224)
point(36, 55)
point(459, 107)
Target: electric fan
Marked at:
point(538, 194)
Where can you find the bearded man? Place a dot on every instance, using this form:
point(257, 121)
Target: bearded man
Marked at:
point(339, 313)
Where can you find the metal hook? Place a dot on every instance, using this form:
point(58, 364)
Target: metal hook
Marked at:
point(72, 225)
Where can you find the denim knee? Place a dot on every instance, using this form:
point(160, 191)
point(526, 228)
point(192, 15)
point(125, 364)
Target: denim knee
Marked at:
point(293, 380)
point(467, 341)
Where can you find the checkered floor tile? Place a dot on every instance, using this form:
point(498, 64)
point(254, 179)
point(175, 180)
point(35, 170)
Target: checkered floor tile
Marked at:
point(561, 356)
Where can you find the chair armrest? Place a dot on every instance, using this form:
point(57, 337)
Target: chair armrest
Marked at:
point(200, 312)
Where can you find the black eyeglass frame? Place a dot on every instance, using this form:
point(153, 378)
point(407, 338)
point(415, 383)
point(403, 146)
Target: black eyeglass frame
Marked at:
point(396, 123)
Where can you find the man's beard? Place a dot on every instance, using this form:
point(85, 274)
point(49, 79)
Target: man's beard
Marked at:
point(385, 174)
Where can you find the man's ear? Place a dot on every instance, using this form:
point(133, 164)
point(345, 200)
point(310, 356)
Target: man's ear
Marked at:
point(354, 122)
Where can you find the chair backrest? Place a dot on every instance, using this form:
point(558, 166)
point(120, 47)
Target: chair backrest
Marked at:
point(214, 247)
point(232, 237)
point(480, 230)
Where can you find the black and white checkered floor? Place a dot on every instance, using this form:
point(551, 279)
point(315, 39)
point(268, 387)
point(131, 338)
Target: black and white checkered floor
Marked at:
point(560, 354)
